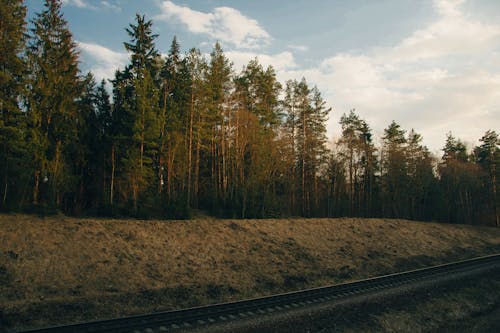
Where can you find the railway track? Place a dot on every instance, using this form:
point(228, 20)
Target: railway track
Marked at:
point(172, 321)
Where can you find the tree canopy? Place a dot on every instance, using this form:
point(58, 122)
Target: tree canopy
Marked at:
point(171, 134)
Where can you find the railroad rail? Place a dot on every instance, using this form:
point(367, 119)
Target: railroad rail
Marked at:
point(171, 321)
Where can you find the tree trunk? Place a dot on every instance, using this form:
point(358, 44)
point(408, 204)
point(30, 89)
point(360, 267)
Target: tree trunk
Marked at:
point(190, 148)
point(112, 182)
point(4, 200)
point(55, 180)
point(197, 166)
point(304, 165)
point(161, 153)
point(36, 187)
point(495, 201)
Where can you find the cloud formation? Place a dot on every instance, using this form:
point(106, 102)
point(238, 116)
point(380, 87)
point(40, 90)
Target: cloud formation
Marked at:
point(281, 62)
point(111, 5)
point(106, 4)
point(440, 78)
point(78, 3)
point(301, 48)
point(104, 61)
point(225, 24)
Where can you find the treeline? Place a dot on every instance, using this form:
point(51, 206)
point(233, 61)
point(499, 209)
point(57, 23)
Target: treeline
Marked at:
point(186, 132)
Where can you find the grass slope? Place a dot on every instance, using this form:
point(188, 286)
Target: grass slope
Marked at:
point(59, 270)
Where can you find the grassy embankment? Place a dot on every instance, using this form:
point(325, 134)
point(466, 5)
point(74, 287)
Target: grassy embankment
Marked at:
point(59, 270)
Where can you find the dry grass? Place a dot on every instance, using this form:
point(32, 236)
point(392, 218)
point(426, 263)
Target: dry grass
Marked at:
point(60, 269)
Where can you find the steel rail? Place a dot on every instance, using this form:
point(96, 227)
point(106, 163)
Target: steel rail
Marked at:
point(203, 315)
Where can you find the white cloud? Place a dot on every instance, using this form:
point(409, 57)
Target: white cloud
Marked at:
point(104, 61)
point(454, 33)
point(438, 79)
point(442, 77)
point(78, 3)
point(281, 62)
point(224, 23)
point(301, 48)
point(111, 5)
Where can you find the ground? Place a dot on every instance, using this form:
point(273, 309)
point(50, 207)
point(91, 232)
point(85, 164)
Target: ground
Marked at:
point(59, 270)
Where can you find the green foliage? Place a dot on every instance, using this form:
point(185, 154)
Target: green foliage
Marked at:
point(186, 132)
point(487, 156)
point(357, 153)
point(13, 148)
point(51, 106)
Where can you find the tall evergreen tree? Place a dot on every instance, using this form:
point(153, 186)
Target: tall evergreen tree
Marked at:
point(394, 174)
point(289, 133)
point(120, 132)
point(54, 88)
point(219, 81)
point(460, 183)
point(173, 103)
point(311, 141)
point(195, 67)
point(83, 147)
point(358, 152)
point(422, 183)
point(259, 89)
point(100, 144)
point(257, 92)
point(13, 169)
point(140, 155)
point(488, 157)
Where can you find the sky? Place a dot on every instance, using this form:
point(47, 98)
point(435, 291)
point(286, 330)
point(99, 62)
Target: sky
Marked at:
point(430, 65)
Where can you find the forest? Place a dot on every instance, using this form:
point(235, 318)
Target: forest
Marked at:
point(188, 132)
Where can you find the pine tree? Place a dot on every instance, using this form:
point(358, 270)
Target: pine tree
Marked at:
point(260, 89)
point(460, 183)
point(171, 103)
point(488, 157)
point(84, 149)
point(255, 153)
point(394, 172)
point(289, 134)
point(102, 152)
point(120, 132)
point(358, 153)
point(219, 82)
point(140, 155)
point(13, 154)
point(195, 67)
point(454, 149)
point(422, 183)
point(311, 141)
point(54, 88)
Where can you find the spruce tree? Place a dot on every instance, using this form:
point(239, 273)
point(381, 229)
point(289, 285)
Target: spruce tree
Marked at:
point(358, 154)
point(219, 82)
point(460, 183)
point(289, 134)
point(140, 155)
point(13, 155)
point(103, 143)
point(488, 157)
point(54, 87)
point(422, 183)
point(85, 143)
point(311, 139)
point(394, 172)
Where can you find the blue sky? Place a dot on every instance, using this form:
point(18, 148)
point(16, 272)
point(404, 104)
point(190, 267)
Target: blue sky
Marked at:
point(431, 65)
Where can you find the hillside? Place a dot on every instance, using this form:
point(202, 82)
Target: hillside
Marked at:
point(58, 270)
